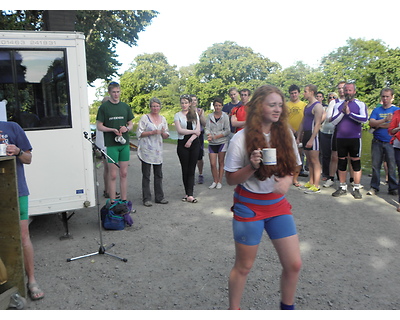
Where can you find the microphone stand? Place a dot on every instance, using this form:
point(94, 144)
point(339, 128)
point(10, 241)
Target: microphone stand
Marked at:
point(102, 248)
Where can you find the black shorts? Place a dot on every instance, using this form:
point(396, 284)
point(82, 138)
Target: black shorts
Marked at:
point(351, 146)
point(306, 137)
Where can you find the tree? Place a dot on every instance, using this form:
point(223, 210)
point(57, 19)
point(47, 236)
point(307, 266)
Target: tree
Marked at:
point(102, 28)
point(147, 76)
point(233, 64)
point(352, 63)
point(383, 73)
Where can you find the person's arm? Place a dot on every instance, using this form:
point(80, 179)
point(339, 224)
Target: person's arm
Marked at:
point(361, 117)
point(128, 127)
point(394, 124)
point(337, 115)
point(102, 127)
point(200, 113)
point(164, 130)
point(181, 130)
point(381, 123)
point(25, 156)
point(236, 123)
point(243, 174)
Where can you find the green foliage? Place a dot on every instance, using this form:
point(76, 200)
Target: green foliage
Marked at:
point(102, 28)
point(367, 62)
point(233, 64)
point(149, 76)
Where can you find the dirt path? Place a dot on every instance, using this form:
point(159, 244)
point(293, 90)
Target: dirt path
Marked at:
point(180, 254)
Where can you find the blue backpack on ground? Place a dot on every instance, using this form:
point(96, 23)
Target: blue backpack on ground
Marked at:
point(115, 216)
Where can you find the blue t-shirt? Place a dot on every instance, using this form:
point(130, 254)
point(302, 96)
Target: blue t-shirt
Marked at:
point(14, 134)
point(379, 113)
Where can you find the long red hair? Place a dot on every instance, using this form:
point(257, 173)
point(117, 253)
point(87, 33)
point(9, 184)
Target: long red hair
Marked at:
point(281, 137)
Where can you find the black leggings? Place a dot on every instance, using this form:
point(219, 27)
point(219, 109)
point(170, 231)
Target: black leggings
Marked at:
point(188, 159)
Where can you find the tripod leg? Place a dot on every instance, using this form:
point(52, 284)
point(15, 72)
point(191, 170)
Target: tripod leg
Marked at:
point(84, 256)
point(122, 259)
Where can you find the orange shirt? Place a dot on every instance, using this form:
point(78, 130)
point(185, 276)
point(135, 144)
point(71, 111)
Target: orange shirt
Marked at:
point(240, 113)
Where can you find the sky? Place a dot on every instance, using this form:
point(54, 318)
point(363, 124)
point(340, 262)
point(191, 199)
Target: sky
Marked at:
point(284, 31)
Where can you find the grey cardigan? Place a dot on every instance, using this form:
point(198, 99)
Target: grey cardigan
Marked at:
point(218, 127)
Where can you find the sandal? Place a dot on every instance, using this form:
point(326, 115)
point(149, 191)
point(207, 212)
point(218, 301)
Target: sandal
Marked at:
point(34, 291)
point(296, 184)
point(184, 199)
point(193, 201)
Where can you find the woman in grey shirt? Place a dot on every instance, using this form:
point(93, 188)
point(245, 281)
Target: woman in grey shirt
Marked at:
point(217, 132)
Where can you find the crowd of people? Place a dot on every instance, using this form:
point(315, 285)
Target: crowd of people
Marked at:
point(330, 138)
point(326, 138)
point(323, 138)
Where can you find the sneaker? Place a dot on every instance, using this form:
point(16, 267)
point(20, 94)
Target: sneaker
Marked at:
point(372, 192)
point(357, 194)
point(328, 183)
point(306, 186)
point(219, 185)
point(339, 192)
point(303, 174)
point(213, 185)
point(201, 179)
point(313, 189)
point(163, 201)
point(147, 204)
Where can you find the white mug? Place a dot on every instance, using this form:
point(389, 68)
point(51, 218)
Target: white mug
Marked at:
point(3, 148)
point(269, 156)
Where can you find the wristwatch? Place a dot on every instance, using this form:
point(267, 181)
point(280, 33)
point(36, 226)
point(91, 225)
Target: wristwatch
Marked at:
point(20, 152)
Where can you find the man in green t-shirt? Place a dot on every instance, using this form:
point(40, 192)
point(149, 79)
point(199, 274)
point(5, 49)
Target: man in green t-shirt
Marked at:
point(114, 118)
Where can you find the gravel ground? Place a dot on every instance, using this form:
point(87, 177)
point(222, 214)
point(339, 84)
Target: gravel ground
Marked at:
point(179, 255)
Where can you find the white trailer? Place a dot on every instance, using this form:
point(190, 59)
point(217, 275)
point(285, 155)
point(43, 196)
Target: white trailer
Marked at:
point(43, 87)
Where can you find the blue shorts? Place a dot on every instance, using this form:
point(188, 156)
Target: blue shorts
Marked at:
point(250, 232)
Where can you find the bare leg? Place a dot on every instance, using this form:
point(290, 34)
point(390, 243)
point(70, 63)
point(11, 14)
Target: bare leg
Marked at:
point(356, 174)
point(221, 163)
point(333, 164)
point(112, 180)
point(27, 247)
point(123, 179)
point(213, 165)
point(245, 256)
point(289, 255)
point(200, 165)
point(314, 166)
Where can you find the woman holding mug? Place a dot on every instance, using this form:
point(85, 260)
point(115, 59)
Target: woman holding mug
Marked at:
point(259, 198)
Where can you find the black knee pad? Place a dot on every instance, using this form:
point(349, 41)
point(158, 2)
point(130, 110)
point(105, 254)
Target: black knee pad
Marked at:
point(356, 164)
point(342, 164)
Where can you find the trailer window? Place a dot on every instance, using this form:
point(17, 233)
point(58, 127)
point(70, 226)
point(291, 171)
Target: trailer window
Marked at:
point(34, 88)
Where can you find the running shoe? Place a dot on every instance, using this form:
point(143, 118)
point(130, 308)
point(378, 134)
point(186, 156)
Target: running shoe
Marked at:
point(328, 183)
point(313, 189)
point(339, 192)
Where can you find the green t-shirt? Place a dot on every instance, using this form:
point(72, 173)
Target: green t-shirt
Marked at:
point(114, 116)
